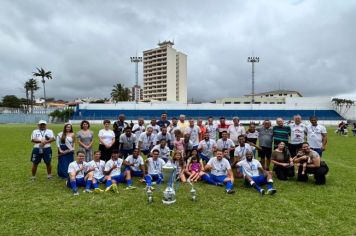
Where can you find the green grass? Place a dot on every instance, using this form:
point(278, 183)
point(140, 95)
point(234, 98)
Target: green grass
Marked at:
point(48, 207)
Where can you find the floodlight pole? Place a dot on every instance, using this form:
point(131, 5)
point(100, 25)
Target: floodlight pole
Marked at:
point(253, 60)
point(136, 60)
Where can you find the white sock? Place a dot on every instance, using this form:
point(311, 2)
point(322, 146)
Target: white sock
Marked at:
point(252, 182)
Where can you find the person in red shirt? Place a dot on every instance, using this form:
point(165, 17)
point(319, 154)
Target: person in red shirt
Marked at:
point(222, 126)
point(202, 129)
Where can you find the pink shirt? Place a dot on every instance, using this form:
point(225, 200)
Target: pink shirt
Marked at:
point(179, 144)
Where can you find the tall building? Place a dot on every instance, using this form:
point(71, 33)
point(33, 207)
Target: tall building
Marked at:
point(136, 93)
point(165, 74)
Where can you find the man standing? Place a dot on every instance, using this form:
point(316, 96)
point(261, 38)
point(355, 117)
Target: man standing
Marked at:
point(146, 141)
point(211, 128)
point(42, 139)
point(315, 166)
point(235, 130)
point(265, 139)
point(127, 142)
point(138, 129)
point(194, 132)
point(173, 127)
point(251, 169)
point(222, 126)
point(119, 127)
point(316, 136)
point(202, 128)
point(154, 126)
point(298, 130)
point(182, 124)
point(206, 148)
point(220, 172)
point(281, 133)
point(164, 135)
point(163, 121)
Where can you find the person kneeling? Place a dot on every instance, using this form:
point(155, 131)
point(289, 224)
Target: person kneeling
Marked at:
point(97, 166)
point(220, 172)
point(251, 170)
point(77, 176)
point(113, 173)
point(154, 169)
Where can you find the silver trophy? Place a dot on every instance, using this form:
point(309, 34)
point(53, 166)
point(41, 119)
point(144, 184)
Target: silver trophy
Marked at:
point(169, 172)
point(193, 192)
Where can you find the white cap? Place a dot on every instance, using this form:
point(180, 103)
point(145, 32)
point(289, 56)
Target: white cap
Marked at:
point(42, 122)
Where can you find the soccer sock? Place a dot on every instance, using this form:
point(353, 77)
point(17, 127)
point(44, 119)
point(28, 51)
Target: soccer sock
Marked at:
point(270, 184)
point(73, 184)
point(108, 183)
point(256, 186)
point(89, 182)
point(228, 185)
point(96, 185)
point(148, 180)
point(129, 182)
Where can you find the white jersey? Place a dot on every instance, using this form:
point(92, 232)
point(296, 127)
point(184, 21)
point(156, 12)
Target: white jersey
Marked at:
point(297, 133)
point(99, 168)
point(166, 137)
point(170, 130)
point(110, 163)
point(127, 142)
point(164, 152)
point(155, 128)
point(41, 135)
point(314, 135)
point(235, 132)
point(241, 151)
point(106, 135)
point(219, 167)
point(154, 167)
point(139, 130)
point(136, 161)
point(250, 168)
point(228, 143)
point(75, 166)
point(147, 140)
point(253, 135)
point(207, 147)
point(194, 134)
point(212, 129)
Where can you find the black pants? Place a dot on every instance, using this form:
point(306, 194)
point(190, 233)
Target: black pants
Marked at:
point(319, 173)
point(294, 148)
point(283, 173)
point(105, 152)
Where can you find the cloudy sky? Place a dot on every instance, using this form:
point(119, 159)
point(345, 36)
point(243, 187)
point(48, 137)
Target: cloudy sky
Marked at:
point(307, 46)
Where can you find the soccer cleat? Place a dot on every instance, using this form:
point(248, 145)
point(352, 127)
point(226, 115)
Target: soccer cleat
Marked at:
point(87, 191)
point(76, 193)
point(130, 187)
point(98, 190)
point(33, 178)
point(230, 191)
point(49, 177)
point(262, 192)
point(108, 188)
point(271, 191)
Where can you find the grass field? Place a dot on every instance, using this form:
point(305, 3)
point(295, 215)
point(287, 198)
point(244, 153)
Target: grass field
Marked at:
point(48, 207)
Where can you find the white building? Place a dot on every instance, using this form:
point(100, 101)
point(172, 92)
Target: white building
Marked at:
point(165, 74)
point(136, 93)
point(270, 97)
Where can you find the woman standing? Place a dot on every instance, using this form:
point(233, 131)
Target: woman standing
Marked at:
point(283, 162)
point(107, 140)
point(85, 140)
point(65, 143)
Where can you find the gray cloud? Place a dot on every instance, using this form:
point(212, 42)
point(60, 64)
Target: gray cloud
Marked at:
point(303, 45)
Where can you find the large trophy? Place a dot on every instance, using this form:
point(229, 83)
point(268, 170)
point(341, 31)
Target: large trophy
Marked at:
point(169, 172)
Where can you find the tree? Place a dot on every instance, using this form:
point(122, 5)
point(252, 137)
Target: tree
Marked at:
point(11, 101)
point(27, 89)
point(31, 86)
point(44, 75)
point(119, 93)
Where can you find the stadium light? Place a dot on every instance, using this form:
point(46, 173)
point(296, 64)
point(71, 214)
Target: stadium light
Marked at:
point(253, 60)
point(136, 60)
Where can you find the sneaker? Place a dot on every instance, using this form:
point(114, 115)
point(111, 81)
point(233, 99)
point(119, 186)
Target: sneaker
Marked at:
point(98, 190)
point(49, 177)
point(108, 188)
point(33, 178)
point(114, 188)
point(271, 191)
point(150, 188)
point(262, 192)
point(76, 193)
point(230, 191)
point(130, 187)
point(87, 191)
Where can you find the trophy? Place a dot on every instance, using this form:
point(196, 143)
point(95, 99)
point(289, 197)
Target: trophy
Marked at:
point(193, 192)
point(169, 172)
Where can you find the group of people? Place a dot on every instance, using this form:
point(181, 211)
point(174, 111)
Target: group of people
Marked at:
point(213, 152)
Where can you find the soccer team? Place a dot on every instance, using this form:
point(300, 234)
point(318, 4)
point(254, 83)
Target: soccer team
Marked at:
point(214, 152)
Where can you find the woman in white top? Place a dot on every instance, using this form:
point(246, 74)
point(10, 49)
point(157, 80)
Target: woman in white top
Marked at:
point(107, 140)
point(65, 143)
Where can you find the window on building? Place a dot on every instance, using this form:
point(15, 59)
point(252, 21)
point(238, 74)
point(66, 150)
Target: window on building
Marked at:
point(246, 102)
point(236, 102)
point(227, 102)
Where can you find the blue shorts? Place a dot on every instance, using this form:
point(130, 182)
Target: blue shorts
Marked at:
point(156, 177)
point(119, 178)
point(260, 180)
point(46, 155)
point(204, 158)
point(101, 180)
point(126, 152)
point(136, 173)
point(80, 182)
point(218, 178)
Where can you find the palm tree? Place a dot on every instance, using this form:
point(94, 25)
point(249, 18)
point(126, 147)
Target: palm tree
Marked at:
point(27, 89)
point(44, 75)
point(33, 87)
point(120, 93)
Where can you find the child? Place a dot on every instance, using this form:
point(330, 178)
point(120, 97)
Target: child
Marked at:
point(178, 161)
point(179, 142)
point(195, 169)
